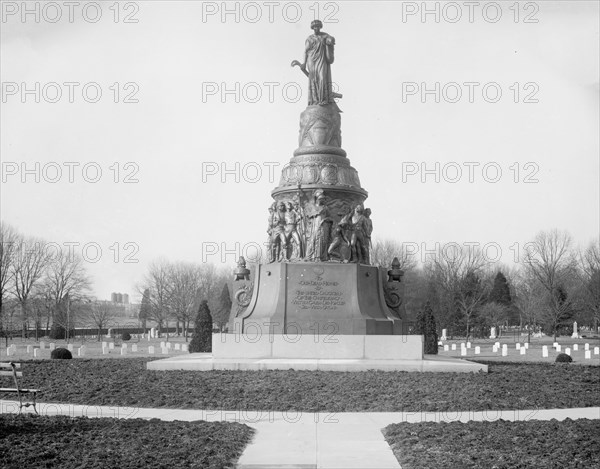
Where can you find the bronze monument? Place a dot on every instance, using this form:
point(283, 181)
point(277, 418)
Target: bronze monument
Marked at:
point(317, 277)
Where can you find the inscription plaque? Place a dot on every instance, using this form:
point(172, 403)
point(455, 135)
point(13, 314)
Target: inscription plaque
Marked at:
point(317, 294)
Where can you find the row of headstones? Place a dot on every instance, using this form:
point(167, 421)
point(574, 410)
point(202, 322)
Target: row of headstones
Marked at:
point(152, 334)
point(106, 346)
point(588, 352)
point(523, 349)
point(38, 352)
point(164, 346)
point(575, 334)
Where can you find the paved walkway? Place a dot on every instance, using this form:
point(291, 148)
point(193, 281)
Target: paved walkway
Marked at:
point(311, 440)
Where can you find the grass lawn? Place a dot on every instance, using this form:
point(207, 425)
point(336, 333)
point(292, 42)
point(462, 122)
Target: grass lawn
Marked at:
point(496, 445)
point(28, 441)
point(126, 382)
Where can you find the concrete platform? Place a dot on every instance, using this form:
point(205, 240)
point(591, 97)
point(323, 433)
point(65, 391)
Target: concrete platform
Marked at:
point(206, 362)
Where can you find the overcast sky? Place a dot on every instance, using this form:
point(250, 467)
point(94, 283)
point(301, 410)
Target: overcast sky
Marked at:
point(178, 128)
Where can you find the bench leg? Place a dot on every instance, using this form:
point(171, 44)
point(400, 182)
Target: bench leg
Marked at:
point(27, 404)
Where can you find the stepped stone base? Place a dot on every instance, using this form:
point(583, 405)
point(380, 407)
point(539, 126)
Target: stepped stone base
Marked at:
point(335, 353)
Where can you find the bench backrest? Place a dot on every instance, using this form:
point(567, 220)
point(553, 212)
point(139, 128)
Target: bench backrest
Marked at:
point(10, 369)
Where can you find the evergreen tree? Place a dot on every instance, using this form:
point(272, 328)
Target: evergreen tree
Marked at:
point(500, 292)
point(144, 314)
point(427, 327)
point(202, 339)
point(222, 316)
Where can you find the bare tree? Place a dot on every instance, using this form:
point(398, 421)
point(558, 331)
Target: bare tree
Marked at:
point(384, 251)
point(494, 313)
point(66, 283)
point(530, 298)
point(10, 241)
point(459, 271)
point(30, 262)
point(185, 280)
point(588, 263)
point(157, 282)
point(101, 314)
point(549, 259)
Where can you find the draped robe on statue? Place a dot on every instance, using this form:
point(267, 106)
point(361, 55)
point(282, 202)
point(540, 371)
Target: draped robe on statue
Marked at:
point(319, 57)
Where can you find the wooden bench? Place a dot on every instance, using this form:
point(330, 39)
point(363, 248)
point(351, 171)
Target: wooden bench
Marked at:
point(10, 369)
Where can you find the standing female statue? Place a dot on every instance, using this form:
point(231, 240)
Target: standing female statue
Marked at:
point(320, 234)
point(318, 57)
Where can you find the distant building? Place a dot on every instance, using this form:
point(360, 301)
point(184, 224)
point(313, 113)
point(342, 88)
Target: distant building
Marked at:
point(119, 298)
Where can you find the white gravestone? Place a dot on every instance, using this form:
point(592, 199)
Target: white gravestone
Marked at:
point(523, 350)
point(558, 348)
point(575, 347)
point(463, 352)
point(545, 351)
point(493, 333)
point(151, 349)
point(169, 345)
point(177, 346)
point(453, 346)
point(575, 335)
point(468, 344)
point(52, 345)
point(184, 347)
point(42, 344)
point(526, 345)
point(596, 350)
point(81, 351)
point(586, 347)
point(588, 355)
point(444, 334)
point(518, 346)
point(568, 351)
point(504, 350)
point(477, 350)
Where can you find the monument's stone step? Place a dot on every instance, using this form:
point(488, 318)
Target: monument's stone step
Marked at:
point(255, 344)
point(206, 362)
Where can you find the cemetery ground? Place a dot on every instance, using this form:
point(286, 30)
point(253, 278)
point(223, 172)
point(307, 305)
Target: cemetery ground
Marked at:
point(420, 401)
